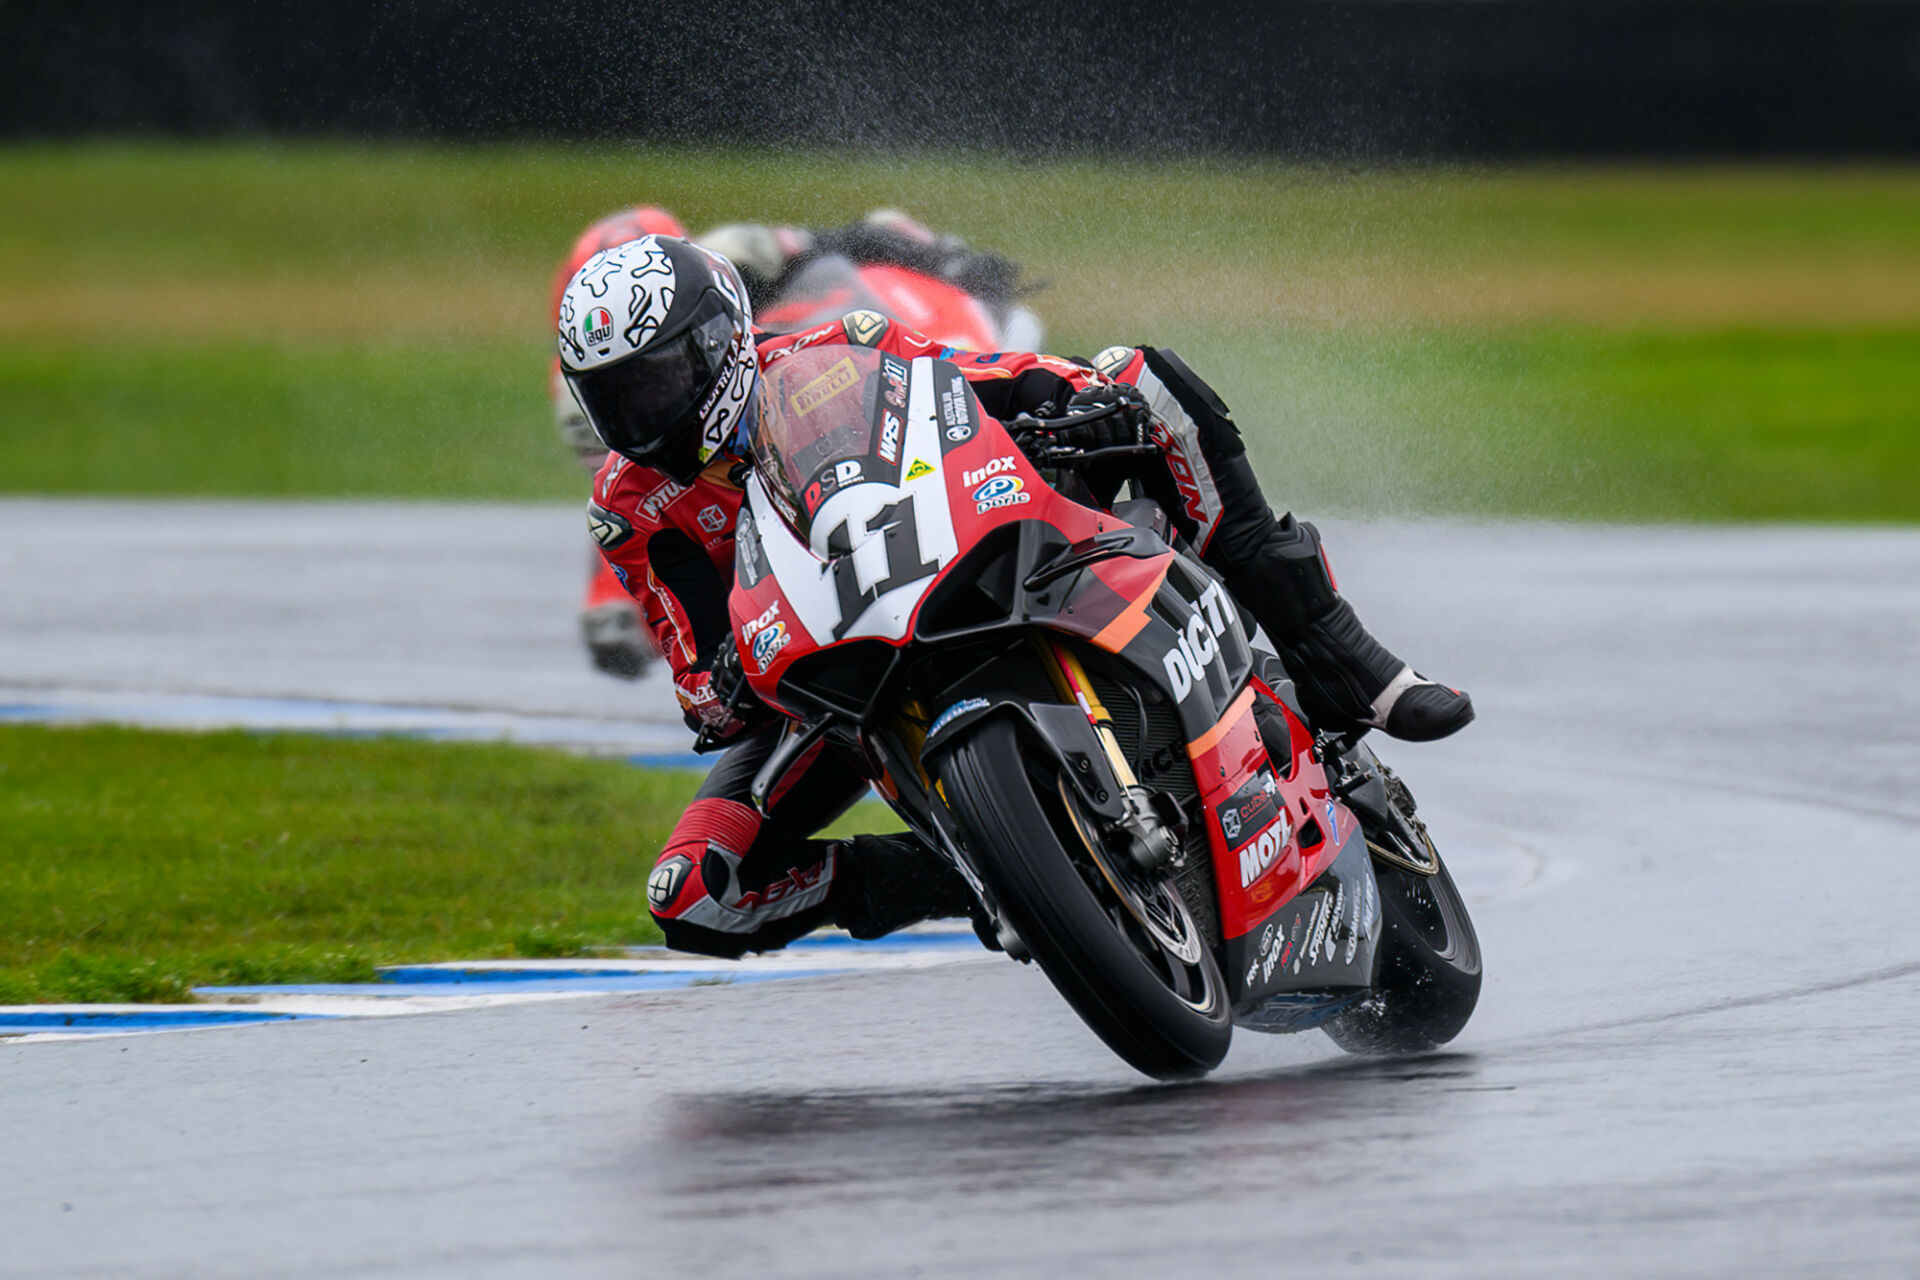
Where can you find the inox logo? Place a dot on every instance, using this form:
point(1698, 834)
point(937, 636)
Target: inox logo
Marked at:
point(1199, 643)
point(994, 468)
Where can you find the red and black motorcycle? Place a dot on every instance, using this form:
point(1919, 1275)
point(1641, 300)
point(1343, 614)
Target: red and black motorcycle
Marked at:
point(1065, 702)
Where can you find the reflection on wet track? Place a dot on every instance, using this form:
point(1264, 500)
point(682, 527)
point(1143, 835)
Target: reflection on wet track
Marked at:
point(1078, 1143)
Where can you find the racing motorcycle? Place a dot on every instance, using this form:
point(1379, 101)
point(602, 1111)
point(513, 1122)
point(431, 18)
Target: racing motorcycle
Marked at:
point(830, 285)
point(1064, 700)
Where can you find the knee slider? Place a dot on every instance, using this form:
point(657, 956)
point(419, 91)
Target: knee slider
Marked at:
point(667, 884)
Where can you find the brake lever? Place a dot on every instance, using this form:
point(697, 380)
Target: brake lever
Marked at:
point(1118, 451)
point(1068, 455)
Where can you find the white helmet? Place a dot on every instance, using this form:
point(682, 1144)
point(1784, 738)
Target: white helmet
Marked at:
point(656, 341)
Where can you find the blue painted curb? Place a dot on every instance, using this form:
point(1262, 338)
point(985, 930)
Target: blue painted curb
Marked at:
point(530, 981)
point(419, 974)
point(672, 760)
point(140, 1020)
point(892, 942)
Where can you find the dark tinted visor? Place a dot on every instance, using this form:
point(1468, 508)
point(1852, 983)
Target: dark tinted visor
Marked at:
point(642, 405)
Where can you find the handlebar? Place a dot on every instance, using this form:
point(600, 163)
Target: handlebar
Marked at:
point(1027, 422)
point(1031, 434)
point(1067, 456)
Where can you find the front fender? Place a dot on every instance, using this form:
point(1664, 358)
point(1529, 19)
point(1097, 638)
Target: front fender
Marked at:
point(1062, 731)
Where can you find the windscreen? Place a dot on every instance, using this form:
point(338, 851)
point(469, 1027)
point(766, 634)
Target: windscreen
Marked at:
point(827, 417)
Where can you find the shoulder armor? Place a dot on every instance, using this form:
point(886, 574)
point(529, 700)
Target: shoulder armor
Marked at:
point(1113, 360)
point(864, 328)
point(609, 528)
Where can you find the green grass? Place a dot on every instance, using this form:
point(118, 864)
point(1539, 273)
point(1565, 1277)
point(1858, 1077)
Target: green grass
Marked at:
point(243, 209)
point(1550, 421)
point(1553, 422)
point(281, 418)
point(1602, 342)
point(140, 864)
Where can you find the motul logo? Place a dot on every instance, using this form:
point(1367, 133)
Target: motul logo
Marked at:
point(660, 499)
point(1198, 644)
point(1262, 851)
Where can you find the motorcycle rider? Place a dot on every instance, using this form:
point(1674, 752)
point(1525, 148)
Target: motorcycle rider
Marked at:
point(658, 345)
point(767, 256)
point(609, 621)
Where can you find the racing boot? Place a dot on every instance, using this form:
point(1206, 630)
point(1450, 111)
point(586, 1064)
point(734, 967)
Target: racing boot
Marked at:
point(1347, 679)
point(888, 882)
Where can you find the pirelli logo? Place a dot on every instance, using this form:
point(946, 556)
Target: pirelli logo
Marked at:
point(838, 377)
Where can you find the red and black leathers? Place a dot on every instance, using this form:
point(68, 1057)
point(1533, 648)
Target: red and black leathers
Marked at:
point(762, 882)
point(731, 880)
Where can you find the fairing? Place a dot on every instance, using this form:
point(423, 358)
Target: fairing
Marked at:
point(829, 287)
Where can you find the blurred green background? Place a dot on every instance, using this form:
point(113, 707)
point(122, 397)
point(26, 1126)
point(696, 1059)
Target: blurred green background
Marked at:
point(1587, 342)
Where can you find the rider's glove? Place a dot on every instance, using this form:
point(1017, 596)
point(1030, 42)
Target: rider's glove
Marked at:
point(1126, 426)
point(731, 708)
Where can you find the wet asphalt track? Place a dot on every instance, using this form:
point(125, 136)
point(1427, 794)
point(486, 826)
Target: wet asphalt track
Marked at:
point(1687, 819)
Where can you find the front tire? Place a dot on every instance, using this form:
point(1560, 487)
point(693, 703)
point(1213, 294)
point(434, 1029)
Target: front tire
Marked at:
point(1166, 1015)
point(1429, 974)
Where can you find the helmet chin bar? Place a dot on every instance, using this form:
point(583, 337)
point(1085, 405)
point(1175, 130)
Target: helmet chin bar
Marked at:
point(684, 469)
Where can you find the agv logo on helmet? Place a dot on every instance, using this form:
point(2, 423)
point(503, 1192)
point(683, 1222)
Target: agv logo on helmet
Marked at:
point(598, 327)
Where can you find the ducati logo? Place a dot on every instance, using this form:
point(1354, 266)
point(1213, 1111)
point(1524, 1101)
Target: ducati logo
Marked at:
point(1186, 662)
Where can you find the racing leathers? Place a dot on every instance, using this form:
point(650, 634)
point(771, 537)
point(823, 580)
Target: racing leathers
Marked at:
point(731, 880)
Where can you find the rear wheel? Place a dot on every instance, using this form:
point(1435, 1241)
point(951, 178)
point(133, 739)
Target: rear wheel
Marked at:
point(1429, 974)
point(1120, 946)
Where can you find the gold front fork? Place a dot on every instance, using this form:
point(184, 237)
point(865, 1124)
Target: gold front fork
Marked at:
point(1071, 682)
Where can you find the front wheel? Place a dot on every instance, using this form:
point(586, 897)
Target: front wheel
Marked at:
point(1429, 974)
point(1123, 951)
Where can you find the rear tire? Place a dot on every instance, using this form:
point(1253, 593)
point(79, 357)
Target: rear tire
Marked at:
point(1429, 974)
point(1071, 920)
